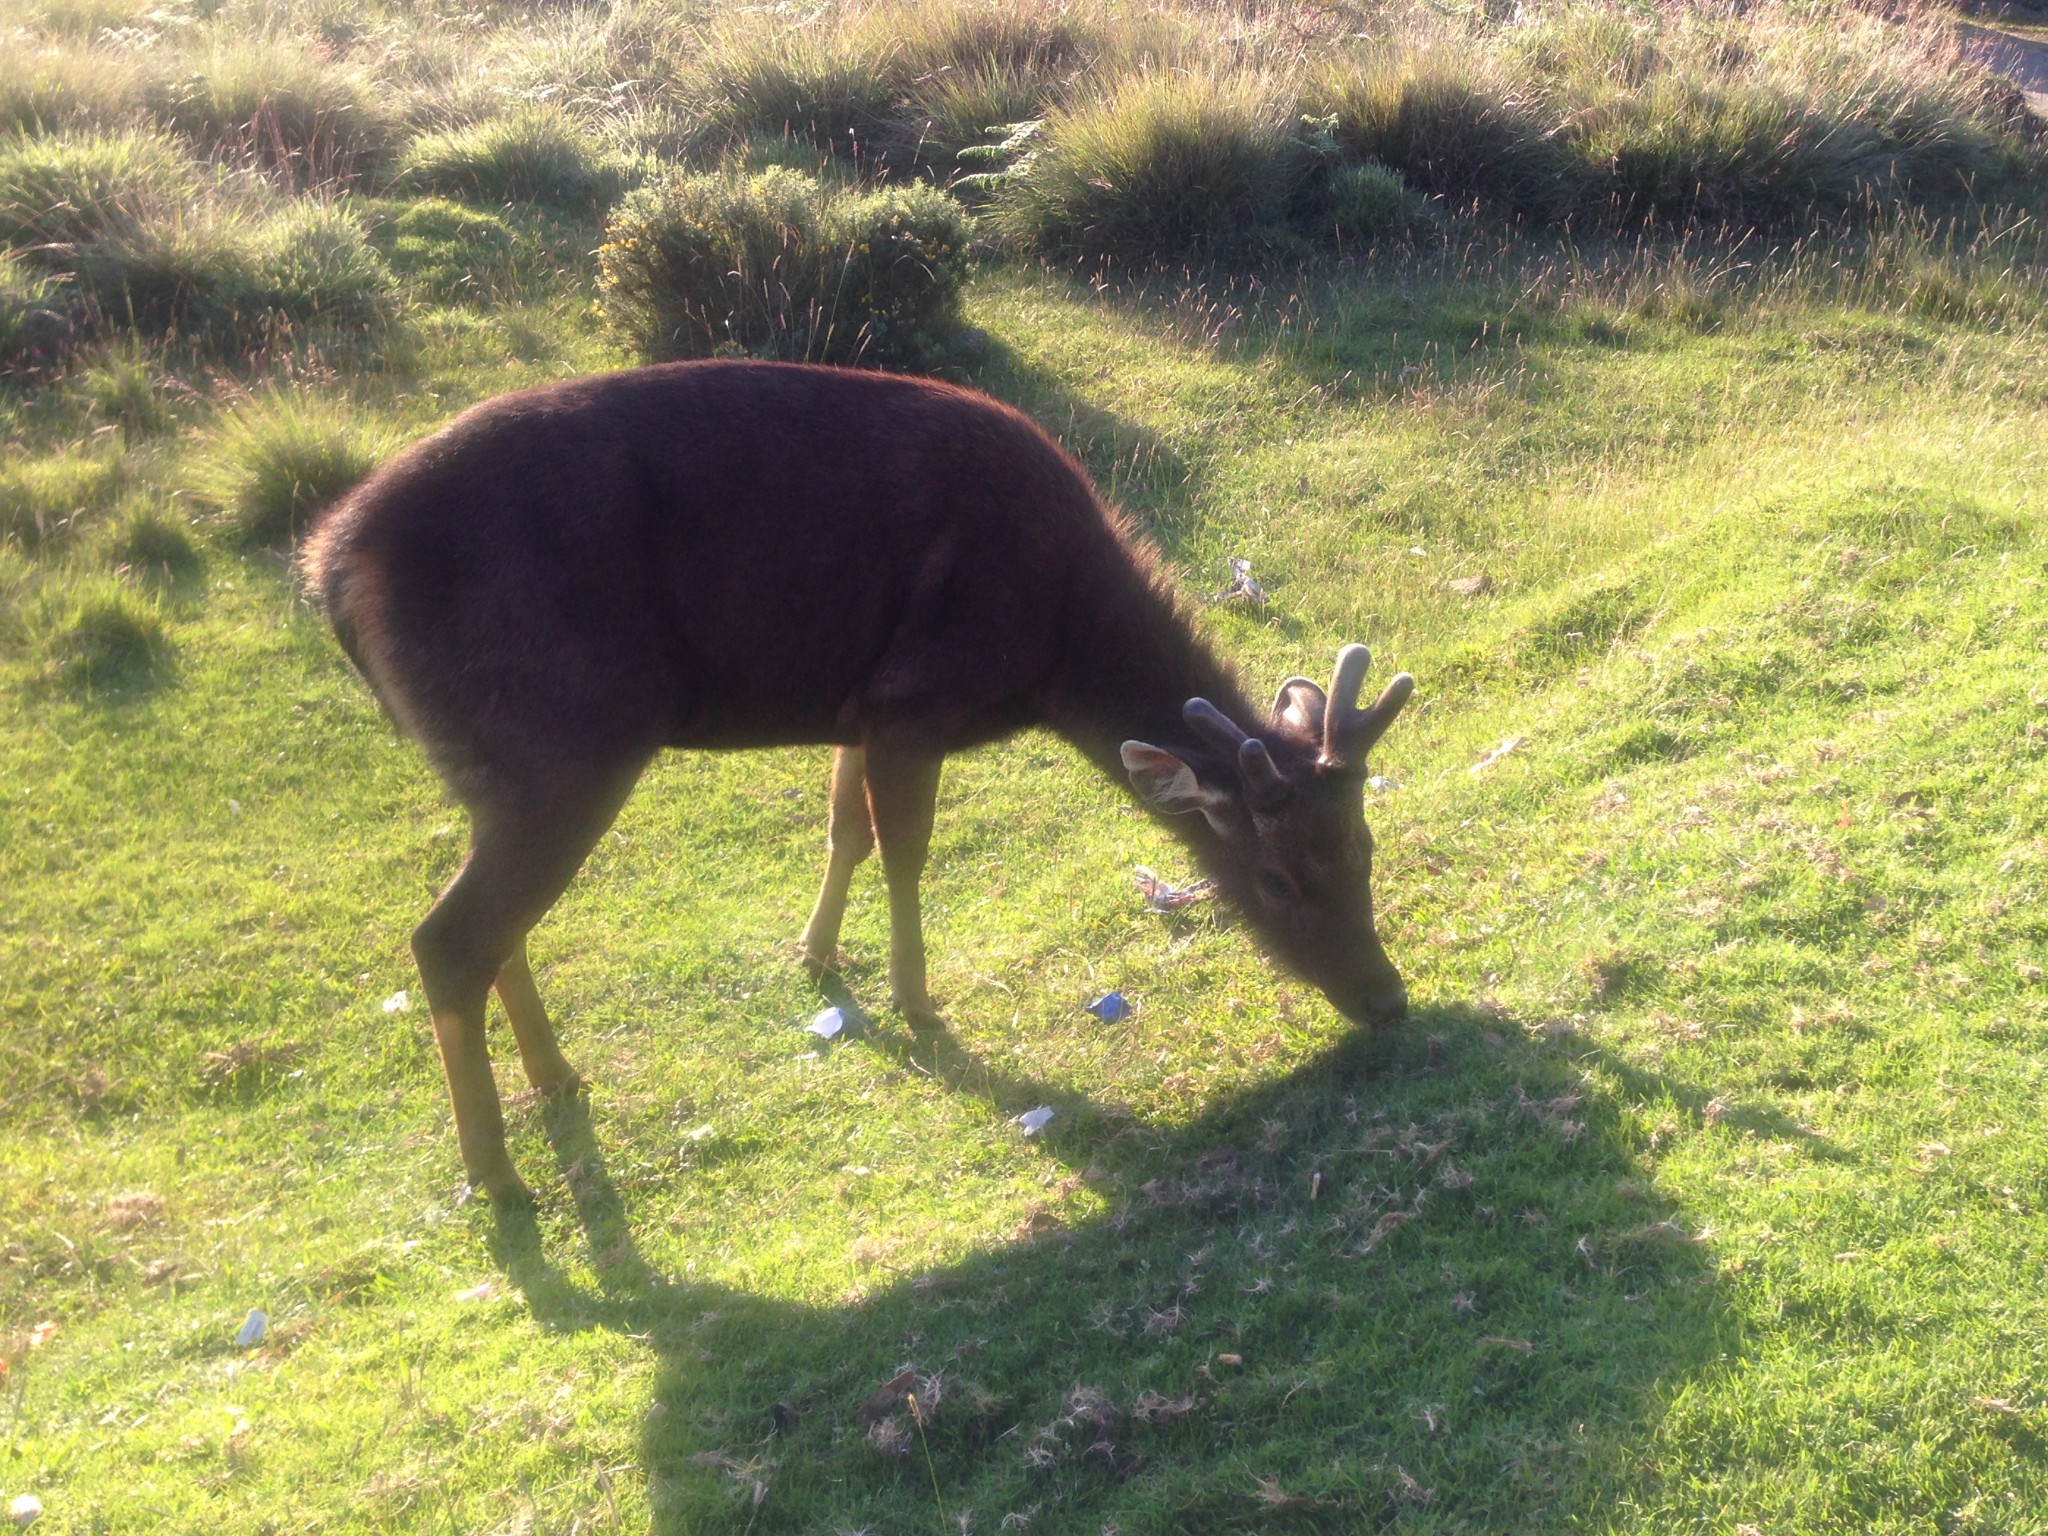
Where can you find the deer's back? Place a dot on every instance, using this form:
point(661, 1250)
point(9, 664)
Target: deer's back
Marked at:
point(714, 554)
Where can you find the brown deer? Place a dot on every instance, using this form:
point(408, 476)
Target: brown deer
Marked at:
point(564, 581)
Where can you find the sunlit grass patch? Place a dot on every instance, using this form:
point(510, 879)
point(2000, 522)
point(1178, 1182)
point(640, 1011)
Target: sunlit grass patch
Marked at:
point(105, 638)
point(59, 192)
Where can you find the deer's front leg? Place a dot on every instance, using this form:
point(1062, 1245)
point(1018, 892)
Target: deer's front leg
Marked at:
point(849, 839)
point(903, 790)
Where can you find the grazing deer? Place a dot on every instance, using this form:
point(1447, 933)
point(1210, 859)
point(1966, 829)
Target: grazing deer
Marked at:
point(566, 580)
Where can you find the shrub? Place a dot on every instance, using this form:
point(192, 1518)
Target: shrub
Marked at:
point(42, 501)
point(57, 193)
point(774, 265)
point(36, 325)
point(536, 154)
point(452, 250)
point(43, 89)
point(1166, 168)
point(107, 637)
point(269, 102)
point(279, 461)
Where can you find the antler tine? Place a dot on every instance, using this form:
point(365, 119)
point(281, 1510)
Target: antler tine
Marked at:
point(1264, 788)
point(1213, 726)
point(1342, 711)
point(1372, 723)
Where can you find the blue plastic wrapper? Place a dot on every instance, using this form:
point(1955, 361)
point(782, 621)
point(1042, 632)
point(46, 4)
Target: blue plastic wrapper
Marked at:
point(1110, 1007)
point(827, 1025)
point(253, 1329)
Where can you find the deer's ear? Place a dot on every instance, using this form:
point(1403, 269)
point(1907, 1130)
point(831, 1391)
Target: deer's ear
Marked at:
point(1300, 705)
point(1164, 782)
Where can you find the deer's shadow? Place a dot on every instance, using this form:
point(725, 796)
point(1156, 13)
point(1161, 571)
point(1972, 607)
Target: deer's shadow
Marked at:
point(1428, 1266)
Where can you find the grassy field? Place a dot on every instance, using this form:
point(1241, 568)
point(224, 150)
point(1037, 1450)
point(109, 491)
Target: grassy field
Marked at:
point(1702, 1191)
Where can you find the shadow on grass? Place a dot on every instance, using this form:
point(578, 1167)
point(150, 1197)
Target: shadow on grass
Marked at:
point(1422, 1278)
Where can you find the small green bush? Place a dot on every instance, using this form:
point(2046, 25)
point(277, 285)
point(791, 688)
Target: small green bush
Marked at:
point(451, 250)
point(43, 501)
point(281, 459)
point(271, 103)
point(107, 638)
point(536, 154)
point(777, 266)
point(57, 193)
point(1166, 168)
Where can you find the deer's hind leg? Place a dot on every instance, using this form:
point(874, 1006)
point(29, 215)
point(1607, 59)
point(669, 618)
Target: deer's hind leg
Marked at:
point(849, 838)
point(546, 1068)
point(525, 847)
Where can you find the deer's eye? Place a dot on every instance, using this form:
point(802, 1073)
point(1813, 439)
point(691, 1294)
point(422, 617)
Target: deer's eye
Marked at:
point(1276, 887)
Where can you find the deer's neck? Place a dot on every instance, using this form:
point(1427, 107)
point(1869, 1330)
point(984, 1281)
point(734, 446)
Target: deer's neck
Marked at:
point(1134, 661)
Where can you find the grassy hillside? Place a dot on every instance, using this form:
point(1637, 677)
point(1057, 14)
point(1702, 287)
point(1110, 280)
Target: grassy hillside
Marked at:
point(1702, 1190)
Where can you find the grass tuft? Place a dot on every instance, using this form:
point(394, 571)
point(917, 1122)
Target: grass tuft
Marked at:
point(59, 192)
point(1164, 168)
point(280, 459)
point(107, 639)
point(36, 324)
point(537, 154)
point(45, 88)
point(43, 501)
point(776, 265)
point(156, 549)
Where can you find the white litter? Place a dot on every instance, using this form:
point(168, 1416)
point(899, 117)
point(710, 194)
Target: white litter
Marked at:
point(1381, 783)
point(26, 1509)
point(1242, 584)
point(828, 1024)
point(398, 1002)
point(482, 1292)
point(702, 1133)
point(253, 1328)
point(1032, 1121)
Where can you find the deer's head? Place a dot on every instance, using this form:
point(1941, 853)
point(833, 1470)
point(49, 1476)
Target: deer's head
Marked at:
point(1286, 807)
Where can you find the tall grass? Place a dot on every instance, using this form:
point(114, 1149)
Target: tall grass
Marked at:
point(278, 104)
point(278, 459)
point(44, 86)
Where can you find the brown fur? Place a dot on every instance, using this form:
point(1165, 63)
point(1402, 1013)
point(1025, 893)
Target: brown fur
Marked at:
point(566, 580)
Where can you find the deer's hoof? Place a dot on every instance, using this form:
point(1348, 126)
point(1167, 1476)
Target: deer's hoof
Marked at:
point(563, 1083)
point(922, 1015)
point(818, 965)
point(502, 1186)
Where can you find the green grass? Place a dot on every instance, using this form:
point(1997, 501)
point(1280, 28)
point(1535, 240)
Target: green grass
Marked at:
point(1720, 1096)
point(1700, 1193)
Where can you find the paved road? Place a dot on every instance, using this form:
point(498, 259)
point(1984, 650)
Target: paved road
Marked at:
point(2022, 60)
